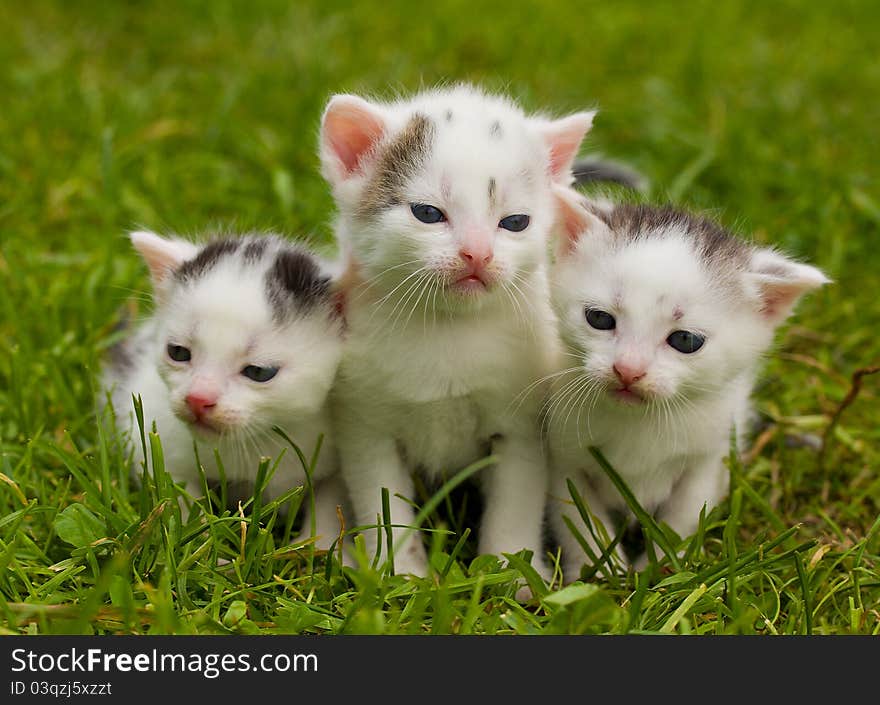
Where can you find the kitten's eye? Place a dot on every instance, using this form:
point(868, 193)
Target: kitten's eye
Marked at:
point(178, 353)
point(259, 374)
point(600, 320)
point(685, 342)
point(427, 213)
point(515, 223)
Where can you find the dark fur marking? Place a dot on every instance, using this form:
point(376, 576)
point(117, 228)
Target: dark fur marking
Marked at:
point(492, 192)
point(716, 247)
point(255, 249)
point(495, 130)
point(397, 163)
point(207, 258)
point(633, 541)
point(294, 282)
point(448, 116)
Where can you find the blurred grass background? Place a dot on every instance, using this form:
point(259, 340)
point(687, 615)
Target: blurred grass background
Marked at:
point(177, 116)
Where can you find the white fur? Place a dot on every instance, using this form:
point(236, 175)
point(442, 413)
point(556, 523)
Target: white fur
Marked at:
point(224, 318)
point(430, 374)
point(669, 448)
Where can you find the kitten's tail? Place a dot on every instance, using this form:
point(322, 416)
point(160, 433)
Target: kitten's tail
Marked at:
point(592, 170)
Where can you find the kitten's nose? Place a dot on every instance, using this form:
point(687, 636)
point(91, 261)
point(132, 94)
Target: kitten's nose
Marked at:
point(628, 374)
point(477, 255)
point(200, 404)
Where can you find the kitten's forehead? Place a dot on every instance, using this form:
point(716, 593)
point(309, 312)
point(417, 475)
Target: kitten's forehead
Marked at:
point(658, 276)
point(647, 280)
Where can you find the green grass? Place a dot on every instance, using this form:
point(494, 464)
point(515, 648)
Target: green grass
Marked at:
point(178, 116)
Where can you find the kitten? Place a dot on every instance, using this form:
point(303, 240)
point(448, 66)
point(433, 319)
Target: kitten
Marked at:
point(445, 208)
point(244, 336)
point(664, 316)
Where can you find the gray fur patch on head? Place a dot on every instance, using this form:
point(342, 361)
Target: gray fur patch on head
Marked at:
point(255, 249)
point(718, 249)
point(296, 284)
point(495, 130)
point(207, 259)
point(397, 163)
point(447, 116)
point(493, 192)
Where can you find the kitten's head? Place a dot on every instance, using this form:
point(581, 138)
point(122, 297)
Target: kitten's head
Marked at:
point(657, 304)
point(451, 188)
point(247, 332)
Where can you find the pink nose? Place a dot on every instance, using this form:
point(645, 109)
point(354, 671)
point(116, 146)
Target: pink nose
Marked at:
point(476, 257)
point(628, 374)
point(200, 405)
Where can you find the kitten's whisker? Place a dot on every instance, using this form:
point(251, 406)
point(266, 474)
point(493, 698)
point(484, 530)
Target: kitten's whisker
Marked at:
point(515, 305)
point(391, 293)
point(424, 284)
point(363, 287)
point(415, 288)
point(530, 388)
point(394, 315)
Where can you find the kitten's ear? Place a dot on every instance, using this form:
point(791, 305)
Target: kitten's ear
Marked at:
point(163, 257)
point(564, 137)
point(350, 129)
point(573, 219)
point(779, 282)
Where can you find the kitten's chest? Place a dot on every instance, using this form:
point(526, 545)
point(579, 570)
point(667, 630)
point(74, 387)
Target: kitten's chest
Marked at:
point(426, 366)
point(443, 435)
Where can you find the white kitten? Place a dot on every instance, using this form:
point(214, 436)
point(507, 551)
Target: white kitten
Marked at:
point(244, 336)
point(445, 207)
point(665, 317)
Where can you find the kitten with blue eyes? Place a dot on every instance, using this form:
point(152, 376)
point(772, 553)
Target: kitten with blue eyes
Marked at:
point(444, 211)
point(245, 335)
point(664, 316)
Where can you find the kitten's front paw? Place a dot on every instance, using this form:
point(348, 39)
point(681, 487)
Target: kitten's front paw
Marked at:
point(525, 593)
point(571, 571)
point(411, 560)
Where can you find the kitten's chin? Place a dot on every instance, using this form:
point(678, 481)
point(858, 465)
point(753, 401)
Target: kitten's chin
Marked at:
point(470, 285)
point(624, 396)
point(627, 396)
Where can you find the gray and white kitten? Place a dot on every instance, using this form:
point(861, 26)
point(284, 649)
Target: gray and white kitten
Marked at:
point(445, 210)
point(245, 335)
point(665, 317)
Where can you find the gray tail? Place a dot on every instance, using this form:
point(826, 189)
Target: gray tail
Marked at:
point(592, 171)
point(119, 354)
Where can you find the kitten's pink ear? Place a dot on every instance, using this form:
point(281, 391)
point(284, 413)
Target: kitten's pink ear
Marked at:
point(573, 219)
point(162, 256)
point(564, 137)
point(780, 282)
point(350, 129)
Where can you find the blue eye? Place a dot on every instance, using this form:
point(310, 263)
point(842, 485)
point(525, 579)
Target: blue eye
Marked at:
point(685, 342)
point(259, 374)
point(178, 353)
point(427, 213)
point(600, 320)
point(515, 223)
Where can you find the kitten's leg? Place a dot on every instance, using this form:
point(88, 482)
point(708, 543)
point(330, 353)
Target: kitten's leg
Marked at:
point(368, 465)
point(329, 494)
point(705, 482)
point(561, 505)
point(515, 492)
